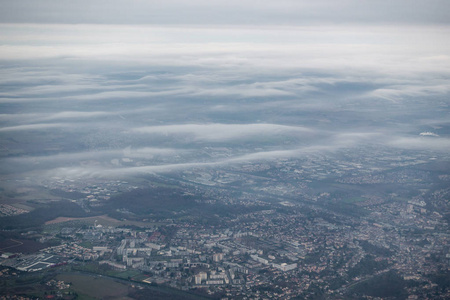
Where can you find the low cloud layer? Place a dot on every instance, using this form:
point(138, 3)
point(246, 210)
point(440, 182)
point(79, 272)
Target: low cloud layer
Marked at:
point(118, 100)
point(422, 143)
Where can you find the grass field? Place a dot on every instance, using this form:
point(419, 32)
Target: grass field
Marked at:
point(95, 287)
point(103, 220)
point(20, 245)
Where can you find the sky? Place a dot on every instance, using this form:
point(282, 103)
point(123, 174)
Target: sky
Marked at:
point(93, 88)
point(230, 12)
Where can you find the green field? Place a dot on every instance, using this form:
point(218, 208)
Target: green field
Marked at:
point(126, 274)
point(95, 268)
point(139, 277)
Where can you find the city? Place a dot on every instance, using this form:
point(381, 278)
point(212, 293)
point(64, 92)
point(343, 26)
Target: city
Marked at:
point(229, 245)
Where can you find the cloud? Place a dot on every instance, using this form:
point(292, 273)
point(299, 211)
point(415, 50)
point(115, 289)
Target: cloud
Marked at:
point(101, 155)
point(76, 172)
point(234, 62)
point(75, 115)
point(225, 132)
point(189, 160)
point(329, 146)
point(25, 119)
point(32, 127)
point(399, 92)
point(427, 133)
point(17, 117)
point(149, 152)
point(109, 162)
point(422, 143)
point(99, 172)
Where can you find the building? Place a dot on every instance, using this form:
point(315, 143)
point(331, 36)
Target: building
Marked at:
point(218, 257)
point(285, 267)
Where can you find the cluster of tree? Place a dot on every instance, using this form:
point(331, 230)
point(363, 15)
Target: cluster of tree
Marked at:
point(442, 279)
point(375, 250)
point(368, 265)
point(346, 209)
point(386, 285)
